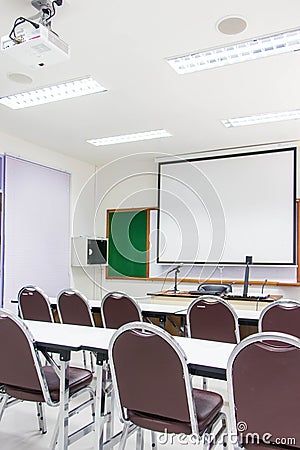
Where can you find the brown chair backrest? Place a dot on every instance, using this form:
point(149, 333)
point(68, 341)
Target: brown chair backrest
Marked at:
point(282, 316)
point(150, 372)
point(34, 304)
point(118, 308)
point(213, 319)
point(19, 363)
point(263, 383)
point(74, 309)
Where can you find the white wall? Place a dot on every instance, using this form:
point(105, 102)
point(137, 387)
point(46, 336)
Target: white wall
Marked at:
point(127, 182)
point(131, 182)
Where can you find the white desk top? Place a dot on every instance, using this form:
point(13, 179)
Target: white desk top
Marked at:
point(176, 309)
point(74, 336)
point(199, 352)
point(171, 309)
point(206, 353)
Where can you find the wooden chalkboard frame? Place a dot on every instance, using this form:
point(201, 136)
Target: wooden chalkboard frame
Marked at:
point(120, 267)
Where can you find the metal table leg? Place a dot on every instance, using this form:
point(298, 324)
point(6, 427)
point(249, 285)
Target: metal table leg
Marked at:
point(64, 401)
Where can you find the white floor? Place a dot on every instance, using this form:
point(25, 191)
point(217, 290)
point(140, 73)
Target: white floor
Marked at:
point(19, 427)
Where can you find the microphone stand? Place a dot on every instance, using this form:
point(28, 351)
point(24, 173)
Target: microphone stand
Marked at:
point(177, 270)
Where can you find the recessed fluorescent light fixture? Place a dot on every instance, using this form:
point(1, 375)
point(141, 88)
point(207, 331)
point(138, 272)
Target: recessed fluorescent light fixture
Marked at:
point(61, 91)
point(256, 48)
point(156, 134)
point(261, 118)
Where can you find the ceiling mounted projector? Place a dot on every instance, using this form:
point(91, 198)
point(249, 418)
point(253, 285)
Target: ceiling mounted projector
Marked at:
point(39, 47)
point(32, 41)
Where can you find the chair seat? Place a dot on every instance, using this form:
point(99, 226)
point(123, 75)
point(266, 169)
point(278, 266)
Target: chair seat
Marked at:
point(78, 379)
point(208, 405)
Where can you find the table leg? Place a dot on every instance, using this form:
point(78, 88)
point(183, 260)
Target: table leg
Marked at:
point(110, 423)
point(99, 410)
point(64, 402)
point(162, 321)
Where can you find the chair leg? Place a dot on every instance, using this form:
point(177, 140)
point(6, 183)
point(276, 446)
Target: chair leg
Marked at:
point(153, 439)
point(41, 417)
point(3, 402)
point(54, 438)
point(92, 362)
point(84, 358)
point(213, 437)
point(110, 410)
point(140, 439)
point(124, 436)
point(225, 437)
point(207, 438)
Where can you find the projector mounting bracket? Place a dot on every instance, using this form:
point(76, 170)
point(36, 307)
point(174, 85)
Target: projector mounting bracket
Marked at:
point(44, 4)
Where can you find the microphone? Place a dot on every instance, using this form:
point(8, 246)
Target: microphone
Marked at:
point(175, 268)
point(263, 286)
point(261, 296)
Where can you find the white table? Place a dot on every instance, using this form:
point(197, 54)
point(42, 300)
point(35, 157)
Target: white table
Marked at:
point(207, 358)
point(64, 339)
point(161, 311)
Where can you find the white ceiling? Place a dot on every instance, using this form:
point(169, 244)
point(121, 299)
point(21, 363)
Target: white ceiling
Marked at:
point(123, 45)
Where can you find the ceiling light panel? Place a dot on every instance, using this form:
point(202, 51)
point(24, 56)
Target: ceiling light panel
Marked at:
point(235, 53)
point(61, 91)
point(261, 118)
point(156, 134)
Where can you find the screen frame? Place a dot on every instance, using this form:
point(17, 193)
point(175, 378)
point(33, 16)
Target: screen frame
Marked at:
point(232, 154)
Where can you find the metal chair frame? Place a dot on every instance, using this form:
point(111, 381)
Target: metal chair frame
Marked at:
point(288, 303)
point(34, 288)
point(5, 400)
point(84, 301)
point(104, 299)
point(150, 328)
point(254, 338)
point(82, 297)
point(214, 299)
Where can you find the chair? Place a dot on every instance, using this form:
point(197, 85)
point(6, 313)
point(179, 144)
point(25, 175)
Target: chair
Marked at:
point(214, 319)
point(34, 304)
point(153, 387)
point(214, 288)
point(24, 378)
point(73, 308)
point(263, 386)
point(282, 316)
point(117, 309)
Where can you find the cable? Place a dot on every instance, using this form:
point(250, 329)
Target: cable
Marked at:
point(55, 2)
point(163, 285)
point(18, 22)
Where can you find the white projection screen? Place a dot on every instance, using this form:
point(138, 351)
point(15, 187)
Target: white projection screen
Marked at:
point(220, 209)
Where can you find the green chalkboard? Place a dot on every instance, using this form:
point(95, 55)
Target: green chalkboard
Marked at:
point(127, 231)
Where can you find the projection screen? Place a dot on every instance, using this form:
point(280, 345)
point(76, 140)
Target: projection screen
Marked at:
point(220, 209)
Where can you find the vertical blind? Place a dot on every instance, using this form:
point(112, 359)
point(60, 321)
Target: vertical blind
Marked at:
point(36, 228)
